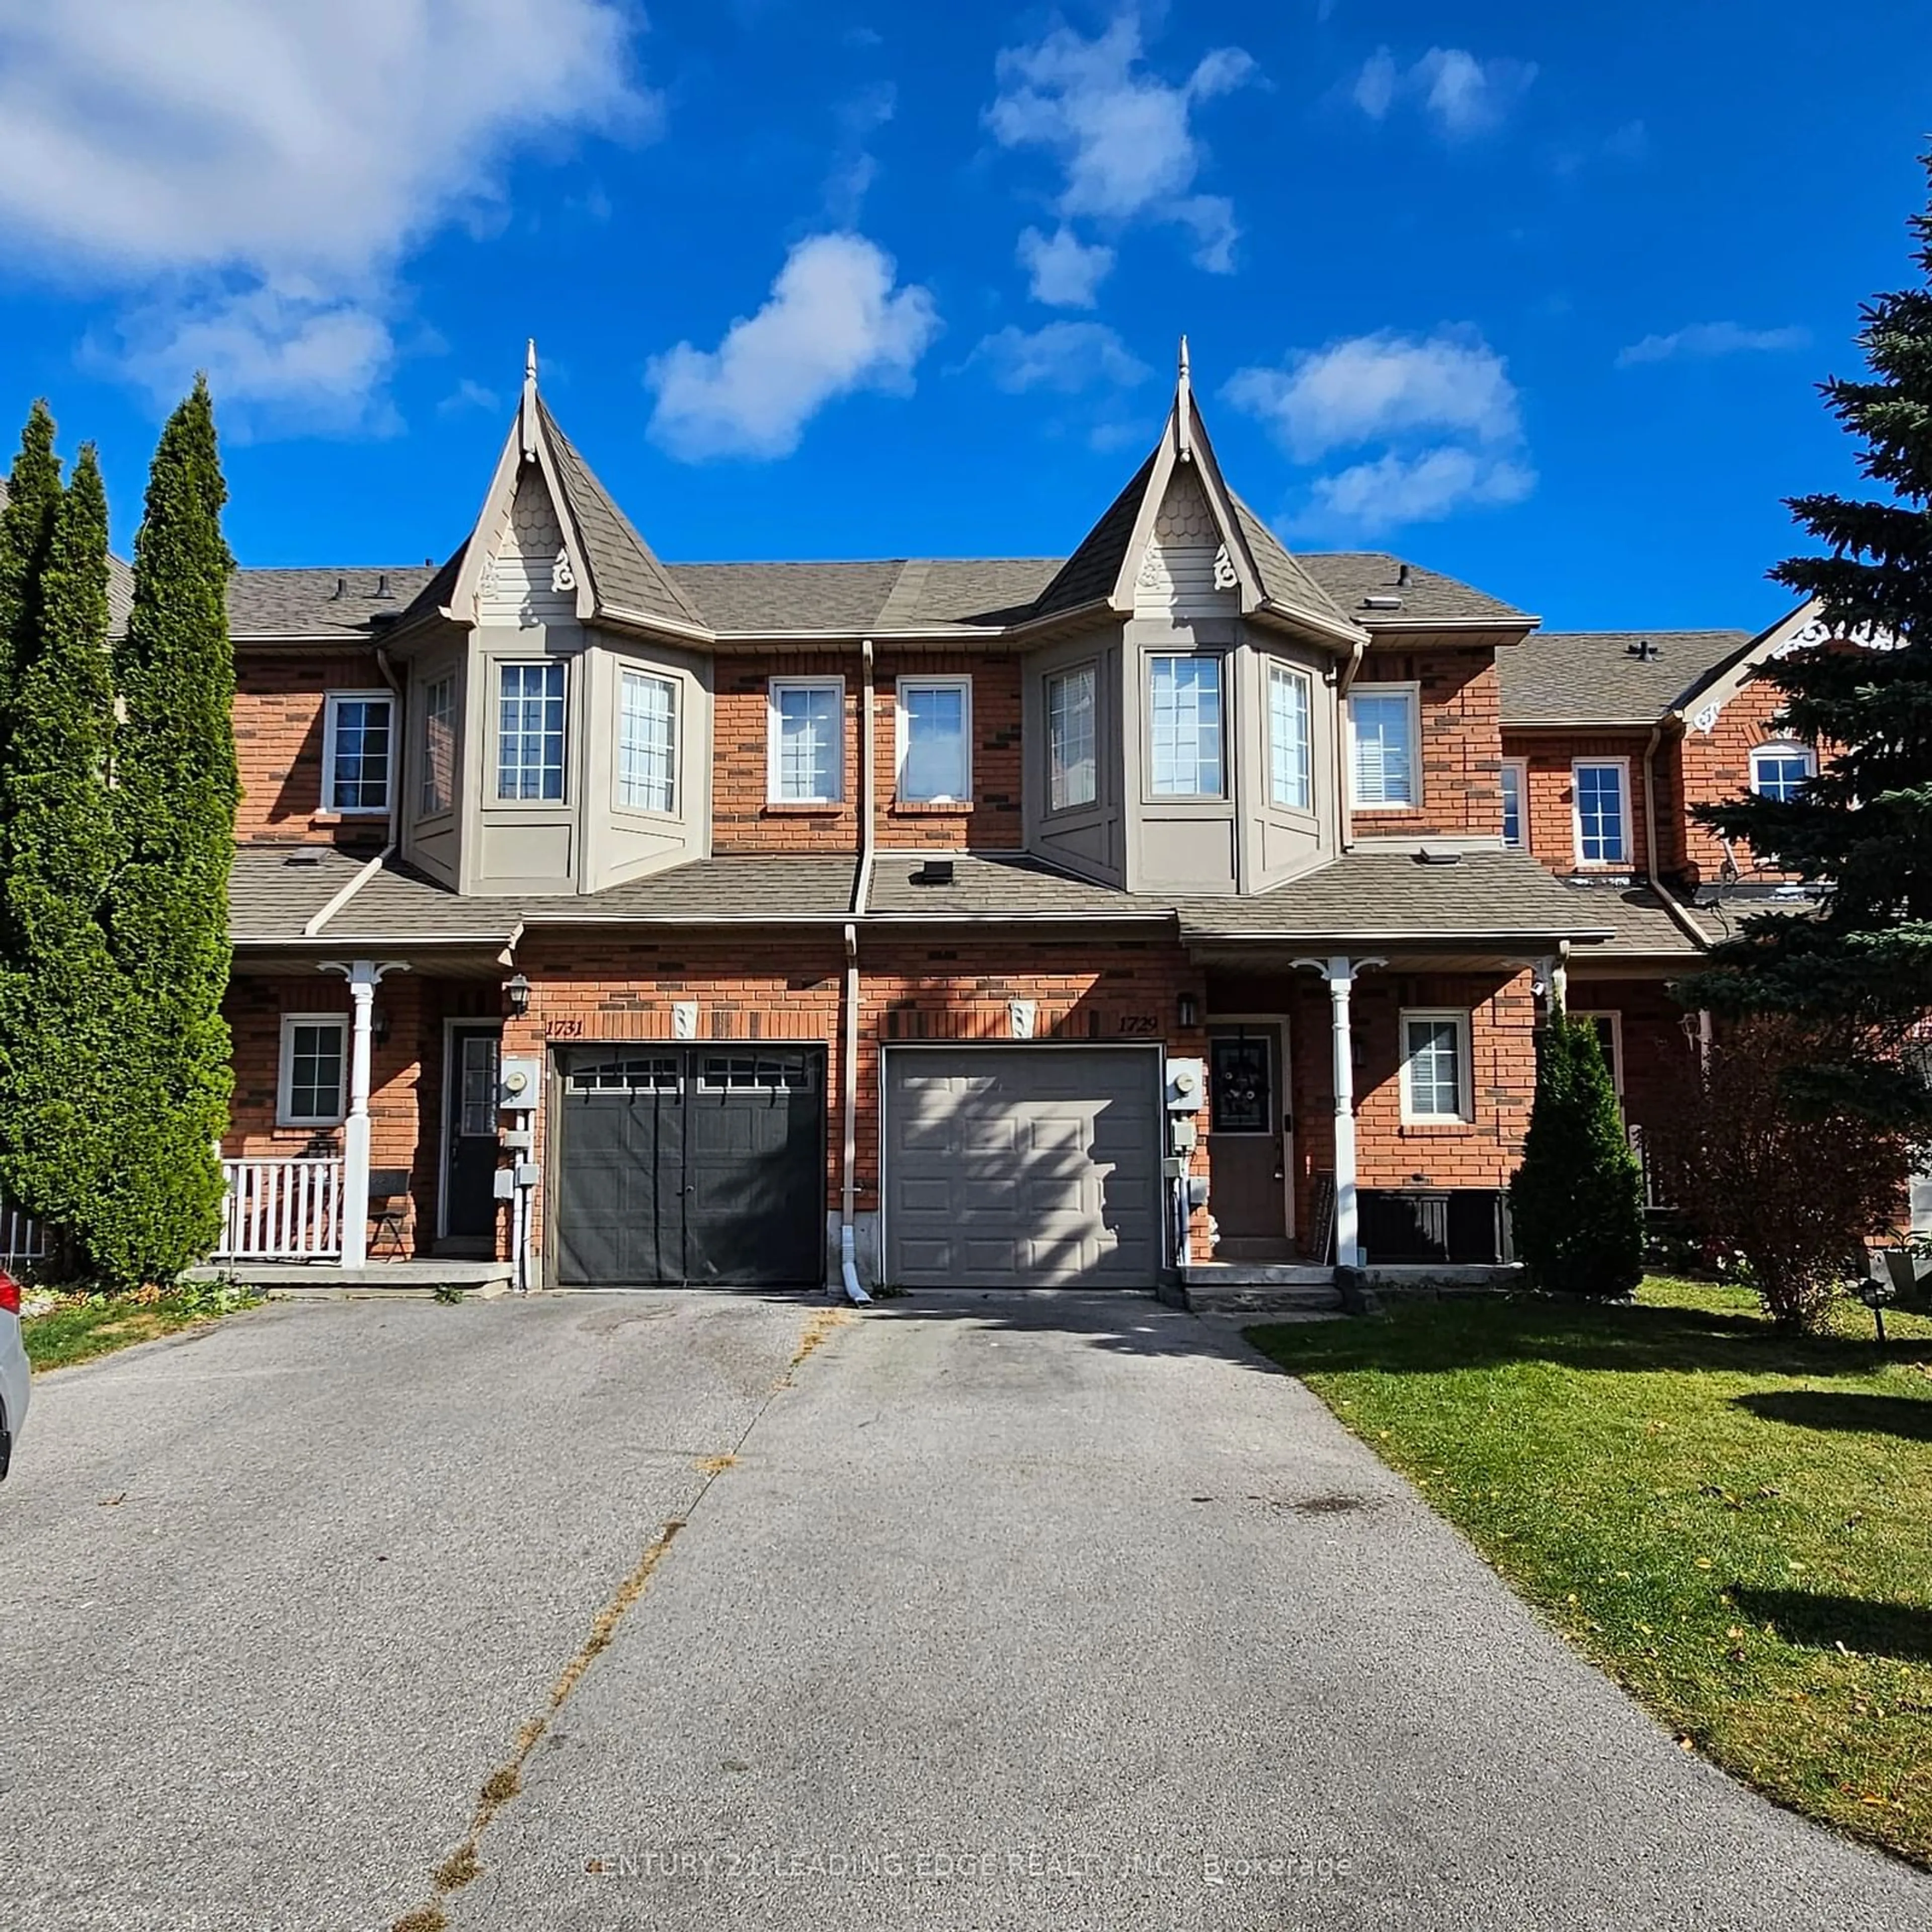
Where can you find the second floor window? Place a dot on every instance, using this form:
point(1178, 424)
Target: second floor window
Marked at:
point(935, 726)
point(438, 746)
point(1603, 816)
point(1290, 765)
point(529, 731)
point(1383, 729)
point(1781, 772)
point(805, 750)
point(1184, 727)
point(1515, 781)
point(1070, 769)
point(355, 751)
point(647, 743)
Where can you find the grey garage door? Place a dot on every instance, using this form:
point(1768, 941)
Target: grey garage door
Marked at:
point(1022, 1167)
point(691, 1165)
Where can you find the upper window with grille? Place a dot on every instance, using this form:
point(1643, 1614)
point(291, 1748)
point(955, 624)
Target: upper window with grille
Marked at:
point(1185, 750)
point(1291, 759)
point(1602, 788)
point(1071, 774)
point(1782, 772)
point(439, 746)
point(529, 731)
point(647, 742)
point(805, 744)
point(357, 751)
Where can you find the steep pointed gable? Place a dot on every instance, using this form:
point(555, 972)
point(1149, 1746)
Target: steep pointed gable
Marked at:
point(550, 546)
point(1177, 531)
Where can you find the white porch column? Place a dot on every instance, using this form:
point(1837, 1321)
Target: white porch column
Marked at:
point(1340, 972)
point(364, 976)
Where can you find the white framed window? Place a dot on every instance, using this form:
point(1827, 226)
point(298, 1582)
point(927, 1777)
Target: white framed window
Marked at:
point(934, 752)
point(1384, 731)
point(1782, 770)
point(1514, 779)
point(439, 746)
point(805, 744)
point(357, 751)
point(1072, 776)
point(1436, 1083)
point(311, 1083)
point(1185, 720)
point(647, 742)
point(1290, 725)
point(1601, 789)
point(1609, 1029)
point(529, 730)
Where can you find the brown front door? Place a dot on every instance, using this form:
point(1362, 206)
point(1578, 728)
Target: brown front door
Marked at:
point(1247, 1141)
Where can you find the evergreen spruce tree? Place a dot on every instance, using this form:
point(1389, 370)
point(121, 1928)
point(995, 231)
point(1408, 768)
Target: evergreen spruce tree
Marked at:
point(1576, 1202)
point(1861, 973)
point(60, 991)
point(175, 796)
point(26, 537)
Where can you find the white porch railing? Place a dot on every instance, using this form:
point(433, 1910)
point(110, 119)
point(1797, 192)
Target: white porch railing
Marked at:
point(23, 1241)
point(281, 1210)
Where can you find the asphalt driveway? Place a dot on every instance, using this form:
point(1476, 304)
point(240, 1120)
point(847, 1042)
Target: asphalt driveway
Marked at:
point(983, 1611)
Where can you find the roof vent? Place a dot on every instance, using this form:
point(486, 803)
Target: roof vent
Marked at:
point(933, 872)
point(1438, 855)
point(382, 590)
point(1643, 650)
point(341, 589)
point(1402, 577)
point(1382, 603)
point(303, 858)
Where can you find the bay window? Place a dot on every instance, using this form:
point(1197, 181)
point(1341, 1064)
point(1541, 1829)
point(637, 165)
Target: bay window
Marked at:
point(529, 731)
point(1071, 771)
point(1184, 727)
point(1290, 762)
point(646, 742)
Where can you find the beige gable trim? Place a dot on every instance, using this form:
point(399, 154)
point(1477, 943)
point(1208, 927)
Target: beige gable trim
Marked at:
point(1701, 708)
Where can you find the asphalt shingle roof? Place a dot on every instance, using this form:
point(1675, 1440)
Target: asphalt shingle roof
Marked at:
point(1600, 677)
point(992, 883)
point(320, 603)
point(1638, 923)
point(1397, 896)
point(1350, 576)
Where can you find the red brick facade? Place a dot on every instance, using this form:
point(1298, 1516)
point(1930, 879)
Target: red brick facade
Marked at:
point(1550, 796)
point(1461, 707)
point(279, 701)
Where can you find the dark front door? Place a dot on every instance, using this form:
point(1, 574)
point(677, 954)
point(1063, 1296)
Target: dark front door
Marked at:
point(1247, 1142)
point(469, 1135)
point(687, 1165)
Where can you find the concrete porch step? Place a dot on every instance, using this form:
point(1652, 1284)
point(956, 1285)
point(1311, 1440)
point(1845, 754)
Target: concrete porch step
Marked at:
point(413, 1279)
point(1273, 1288)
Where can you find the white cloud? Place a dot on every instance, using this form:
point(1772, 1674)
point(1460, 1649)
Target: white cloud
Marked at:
point(1442, 406)
point(854, 167)
point(1065, 356)
point(1703, 341)
point(1368, 499)
point(1124, 137)
point(251, 174)
point(469, 395)
point(1462, 95)
point(1064, 271)
point(1369, 388)
point(834, 322)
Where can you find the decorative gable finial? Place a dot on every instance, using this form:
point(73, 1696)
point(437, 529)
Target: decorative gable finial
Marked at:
point(1183, 408)
point(526, 414)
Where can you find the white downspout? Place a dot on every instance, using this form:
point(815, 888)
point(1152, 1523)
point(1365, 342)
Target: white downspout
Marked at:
point(1665, 897)
point(848, 1175)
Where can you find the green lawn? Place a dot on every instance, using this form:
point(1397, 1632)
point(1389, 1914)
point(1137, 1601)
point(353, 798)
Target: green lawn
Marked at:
point(80, 1326)
point(1736, 1525)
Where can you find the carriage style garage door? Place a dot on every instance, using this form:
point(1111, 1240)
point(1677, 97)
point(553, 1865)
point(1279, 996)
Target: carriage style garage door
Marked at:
point(1022, 1167)
point(690, 1165)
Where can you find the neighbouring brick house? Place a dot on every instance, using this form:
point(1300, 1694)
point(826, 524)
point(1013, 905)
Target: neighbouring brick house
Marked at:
point(1178, 904)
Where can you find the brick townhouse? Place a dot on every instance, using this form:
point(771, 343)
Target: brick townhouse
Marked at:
point(1179, 908)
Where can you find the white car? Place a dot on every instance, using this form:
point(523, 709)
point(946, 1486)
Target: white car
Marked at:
point(15, 1380)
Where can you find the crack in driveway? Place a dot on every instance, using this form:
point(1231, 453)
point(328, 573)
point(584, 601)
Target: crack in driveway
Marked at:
point(465, 1863)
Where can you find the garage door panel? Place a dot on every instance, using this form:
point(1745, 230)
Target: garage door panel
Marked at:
point(1022, 1166)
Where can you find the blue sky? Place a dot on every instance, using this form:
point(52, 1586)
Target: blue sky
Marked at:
point(1534, 296)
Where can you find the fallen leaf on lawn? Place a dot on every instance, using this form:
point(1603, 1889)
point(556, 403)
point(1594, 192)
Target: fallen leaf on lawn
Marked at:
point(1703, 1563)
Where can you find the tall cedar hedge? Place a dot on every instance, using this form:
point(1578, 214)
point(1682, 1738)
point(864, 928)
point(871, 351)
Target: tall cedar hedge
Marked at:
point(1859, 977)
point(61, 995)
point(175, 796)
point(1576, 1202)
